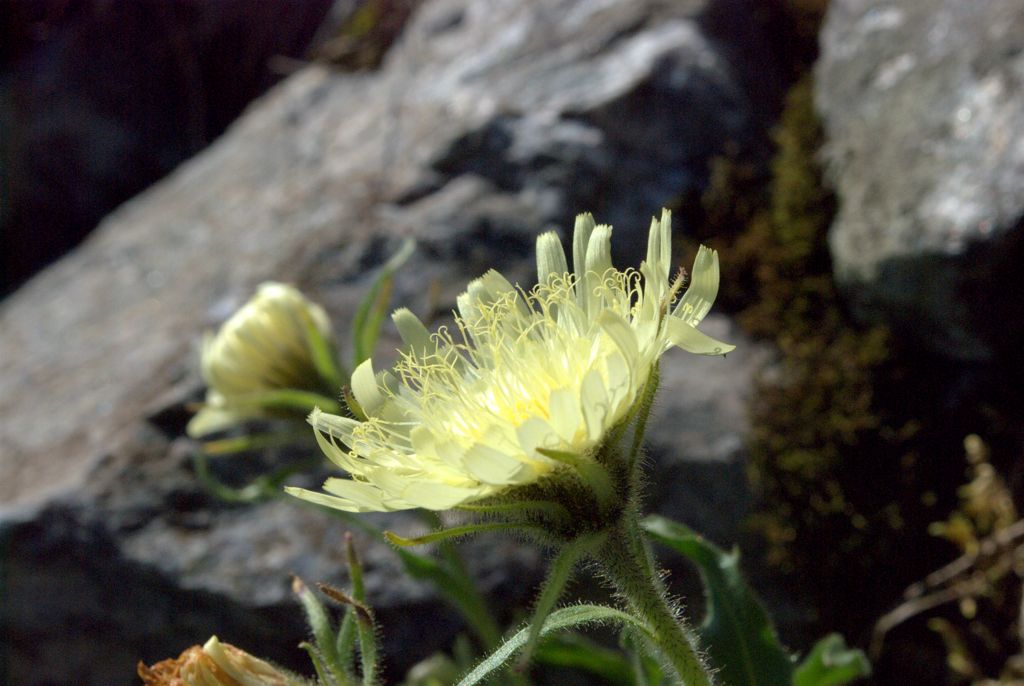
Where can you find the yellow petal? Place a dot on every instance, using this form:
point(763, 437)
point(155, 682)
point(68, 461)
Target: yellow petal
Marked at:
point(703, 289)
point(580, 240)
point(566, 417)
point(363, 495)
point(582, 231)
point(493, 466)
point(619, 378)
point(550, 257)
point(535, 433)
point(659, 247)
point(621, 333)
point(330, 501)
point(364, 387)
point(412, 331)
point(212, 419)
point(691, 340)
point(438, 496)
point(594, 403)
point(599, 250)
point(327, 429)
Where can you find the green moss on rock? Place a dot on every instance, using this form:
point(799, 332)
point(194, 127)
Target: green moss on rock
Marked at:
point(838, 472)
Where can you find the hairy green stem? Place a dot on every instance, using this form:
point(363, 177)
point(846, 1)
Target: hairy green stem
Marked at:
point(629, 564)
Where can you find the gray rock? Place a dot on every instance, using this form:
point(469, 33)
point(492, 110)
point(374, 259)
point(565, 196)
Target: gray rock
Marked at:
point(488, 123)
point(698, 431)
point(923, 104)
point(90, 121)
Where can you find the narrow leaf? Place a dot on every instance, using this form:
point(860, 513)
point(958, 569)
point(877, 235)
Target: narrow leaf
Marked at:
point(289, 401)
point(458, 589)
point(367, 649)
point(324, 355)
point(252, 442)
point(355, 569)
point(365, 629)
point(264, 487)
point(318, 664)
point(345, 642)
point(831, 663)
point(736, 632)
point(369, 317)
point(578, 652)
point(323, 631)
point(577, 615)
point(561, 571)
point(646, 669)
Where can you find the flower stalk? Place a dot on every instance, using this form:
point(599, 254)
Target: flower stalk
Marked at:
point(626, 560)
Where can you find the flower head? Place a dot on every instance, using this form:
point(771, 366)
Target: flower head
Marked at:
point(216, 664)
point(270, 344)
point(467, 416)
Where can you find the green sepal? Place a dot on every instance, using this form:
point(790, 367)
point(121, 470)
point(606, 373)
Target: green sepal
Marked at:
point(738, 635)
point(593, 473)
point(453, 532)
point(527, 508)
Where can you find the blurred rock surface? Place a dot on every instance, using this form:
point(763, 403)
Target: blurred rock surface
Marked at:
point(100, 98)
point(923, 105)
point(488, 123)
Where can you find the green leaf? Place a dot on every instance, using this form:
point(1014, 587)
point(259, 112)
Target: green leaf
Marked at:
point(324, 355)
point(737, 633)
point(579, 652)
point(318, 665)
point(323, 634)
point(253, 442)
point(286, 402)
point(366, 630)
point(458, 589)
point(831, 663)
point(345, 642)
point(369, 317)
point(577, 615)
point(561, 571)
point(645, 667)
point(263, 487)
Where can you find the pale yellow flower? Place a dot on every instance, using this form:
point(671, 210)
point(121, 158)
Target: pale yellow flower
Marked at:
point(216, 664)
point(266, 346)
point(461, 418)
